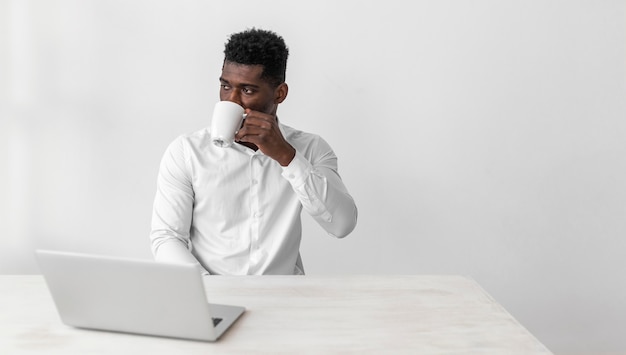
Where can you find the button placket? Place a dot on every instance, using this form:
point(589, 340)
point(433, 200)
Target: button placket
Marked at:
point(255, 213)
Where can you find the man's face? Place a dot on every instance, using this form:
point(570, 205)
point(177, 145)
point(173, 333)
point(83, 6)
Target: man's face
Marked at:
point(242, 84)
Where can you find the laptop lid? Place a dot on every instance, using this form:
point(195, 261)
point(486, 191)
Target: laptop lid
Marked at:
point(133, 296)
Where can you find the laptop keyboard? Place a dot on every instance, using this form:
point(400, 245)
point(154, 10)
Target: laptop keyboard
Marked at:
point(216, 321)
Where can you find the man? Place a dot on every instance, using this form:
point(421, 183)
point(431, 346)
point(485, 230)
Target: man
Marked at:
point(236, 210)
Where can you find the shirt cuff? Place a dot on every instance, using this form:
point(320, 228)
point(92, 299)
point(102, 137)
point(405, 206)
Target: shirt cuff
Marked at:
point(298, 170)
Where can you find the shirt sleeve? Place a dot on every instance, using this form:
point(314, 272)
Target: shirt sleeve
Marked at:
point(173, 209)
point(322, 192)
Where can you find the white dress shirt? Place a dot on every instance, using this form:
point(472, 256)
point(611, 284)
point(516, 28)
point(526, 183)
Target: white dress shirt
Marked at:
point(236, 211)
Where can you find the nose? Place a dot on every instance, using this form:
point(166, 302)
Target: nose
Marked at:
point(234, 96)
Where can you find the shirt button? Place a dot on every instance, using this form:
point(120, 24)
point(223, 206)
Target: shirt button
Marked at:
point(255, 181)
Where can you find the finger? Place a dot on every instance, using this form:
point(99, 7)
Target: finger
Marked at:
point(258, 122)
point(249, 131)
point(256, 116)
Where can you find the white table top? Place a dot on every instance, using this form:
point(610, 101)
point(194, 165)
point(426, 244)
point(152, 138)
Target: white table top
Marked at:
point(293, 314)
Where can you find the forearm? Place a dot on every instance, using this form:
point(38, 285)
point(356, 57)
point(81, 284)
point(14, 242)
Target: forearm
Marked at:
point(176, 252)
point(341, 209)
point(173, 251)
point(323, 195)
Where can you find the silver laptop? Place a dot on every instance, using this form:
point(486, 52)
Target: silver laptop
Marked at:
point(133, 296)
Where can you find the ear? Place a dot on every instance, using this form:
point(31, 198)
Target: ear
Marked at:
point(280, 94)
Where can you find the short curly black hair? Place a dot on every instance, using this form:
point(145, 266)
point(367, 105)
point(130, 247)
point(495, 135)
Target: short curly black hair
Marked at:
point(259, 47)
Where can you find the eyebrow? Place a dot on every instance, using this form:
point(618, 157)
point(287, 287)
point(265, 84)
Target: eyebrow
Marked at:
point(243, 84)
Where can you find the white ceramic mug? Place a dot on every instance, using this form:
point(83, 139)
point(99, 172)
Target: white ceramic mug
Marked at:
point(227, 118)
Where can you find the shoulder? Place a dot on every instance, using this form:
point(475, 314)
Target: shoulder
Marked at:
point(196, 138)
point(303, 139)
point(185, 144)
point(310, 145)
point(191, 140)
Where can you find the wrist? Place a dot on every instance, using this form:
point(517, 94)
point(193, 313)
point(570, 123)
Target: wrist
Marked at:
point(287, 157)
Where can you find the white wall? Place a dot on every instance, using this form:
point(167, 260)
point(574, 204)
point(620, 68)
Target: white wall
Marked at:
point(483, 138)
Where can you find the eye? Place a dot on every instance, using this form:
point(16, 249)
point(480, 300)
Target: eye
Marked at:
point(248, 91)
point(225, 87)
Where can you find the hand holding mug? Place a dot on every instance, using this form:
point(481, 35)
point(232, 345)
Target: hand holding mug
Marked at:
point(262, 131)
